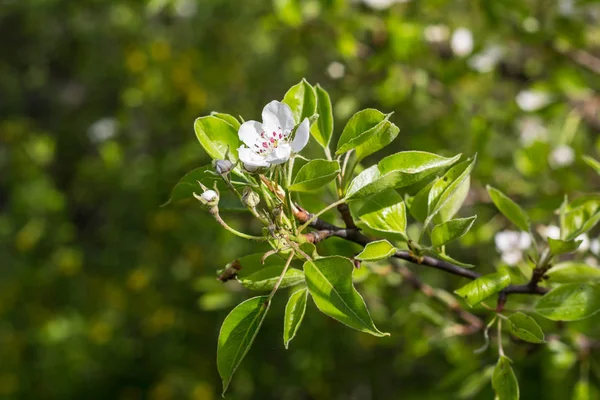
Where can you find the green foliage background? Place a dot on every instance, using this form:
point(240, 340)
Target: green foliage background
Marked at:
point(105, 295)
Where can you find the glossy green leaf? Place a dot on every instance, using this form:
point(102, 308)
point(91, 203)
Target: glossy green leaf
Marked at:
point(376, 251)
point(230, 119)
point(302, 99)
point(255, 275)
point(573, 272)
point(329, 281)
point(314, 175)
point(451, 230)
point(592, 162)
point(361, 127)
point(481, 288)
point(579, 216)
point(294, 314)
point(509, 209)
point(395, 171)
point(323, 128)
point(445, 191)
point(216, 136)
point(385, 214)
point(504, 380)
point(569, 302)
point(417, 206)
point(525, 328)
point(237, 335)
point(558, 247)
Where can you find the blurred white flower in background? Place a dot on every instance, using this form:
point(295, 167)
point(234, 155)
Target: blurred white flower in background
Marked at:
point(382, 4)
point(436, 33)
point(102, 130)
point(532, 100)
point(553, 232)
point(562, 156)
point(486, 60)
point(549, 231)
point(462, 42)
point(336, 70)
point(532, 129)
point(511, 244)
point(595, 246)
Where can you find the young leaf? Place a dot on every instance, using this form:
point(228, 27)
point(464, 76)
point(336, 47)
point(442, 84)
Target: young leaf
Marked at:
point(255, 275)
point(329, 281)
point(504, 380)
point(315, 174)
point(509, 208)
point(592, 162)
point(573, 272)
point(451, 230)
point(294, 314)
point(323, 128)
point(570, 302)
point(580, 216)
point(376, 251)
point(525, 327)
point(367, 131)
point(230, 119)
point(446, 257)
point(445, 191)
point(395, 171)
point(385, 214)
point(481, 288)
point(418, 204)
point(237, 335)
point(216, 136)
point(558, 247)
point(302, 100)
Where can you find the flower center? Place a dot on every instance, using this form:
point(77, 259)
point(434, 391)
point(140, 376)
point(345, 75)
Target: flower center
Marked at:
point(269, 141)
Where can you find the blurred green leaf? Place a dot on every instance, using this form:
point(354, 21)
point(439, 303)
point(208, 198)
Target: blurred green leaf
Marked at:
point(446, 257)
point(237, 335)
point(314, 175)
point(579, 216)
point(592, 162)
point(504, 380)
point(323, 128)
point(509, 209)
point(385, 214)
point(255, 275)
point(558, 247)
point(376, 251)
point(302, 100)
point(573, 272)
point(329, 280)
point(524, 327)
point(481, 288)
point(216, 136)
point(569, 302)
point(294, 314)
point(451, 230)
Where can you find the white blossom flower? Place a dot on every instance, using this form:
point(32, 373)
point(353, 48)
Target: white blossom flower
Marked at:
point(486, 60)
point(549, 231)
point(462, 42)
point(511, 244)
point(532, 100)
point(209, 196)
point(585, 243)
point(562, 156)
point(270, 143)
point(436, 33)
point(532, 129)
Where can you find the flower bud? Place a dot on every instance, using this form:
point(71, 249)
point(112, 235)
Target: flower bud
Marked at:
point(223, 167)
point(209, 197)
point(250, 198)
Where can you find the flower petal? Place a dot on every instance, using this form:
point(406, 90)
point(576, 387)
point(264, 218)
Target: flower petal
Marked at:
point(250, 159)
point(277, 116)
point(249, 132)
point(301, 136)
point(280, 155)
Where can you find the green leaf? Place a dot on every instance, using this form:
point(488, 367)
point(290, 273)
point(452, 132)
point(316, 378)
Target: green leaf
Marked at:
point(475, 382)
point(230, 119)
point(509, 209)
point(504, 380)
point(323, 128)
point(451, 230)
point(329, 280)
point(294, 314)
point(592, 162)
point(580, 216)
point(257, 276)
point(302, 100)
point(573, 272)
point(237, 335)
point(570, 302)
point(525, 327)
point(385, 214)
point(417, 206)
point(558, 247)
point(446, 257)
point(395, 171)
point(216, 136)
point(376, 251)
point(367, 132)
point(314, 175)
point(445, 191)
point(481, 288)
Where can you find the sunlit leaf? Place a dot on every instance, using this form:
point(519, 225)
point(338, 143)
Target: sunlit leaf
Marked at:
point(294, 314)
point(451, 230)
point(217, 136)
point(375, 251)
point(314, 175)
point(481, 288)
point(449, 191)
point(573, 272)
point(569, 302)
point(385, 214)
point(579, 216)
point(323, 128)
point(525, 328)
point(509, 209)
point(255, 275)
point(302, 99)
point(230, 119)
point(558, 247)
